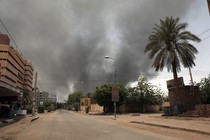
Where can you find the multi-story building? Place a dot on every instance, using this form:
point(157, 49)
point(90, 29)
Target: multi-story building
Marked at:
point(52, 99)
point(45, 97)
point(28, 76)
point(16, 73)
point(41, 97)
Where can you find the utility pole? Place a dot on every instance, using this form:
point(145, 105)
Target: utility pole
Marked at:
point(115, 91)
point(191, 78)
point(34, 96)
point(115, 77)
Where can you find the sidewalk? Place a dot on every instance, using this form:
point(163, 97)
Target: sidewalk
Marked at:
point(199, 125)
point(7, 121)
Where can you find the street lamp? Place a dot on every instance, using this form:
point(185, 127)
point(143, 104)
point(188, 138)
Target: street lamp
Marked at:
point(115, 74)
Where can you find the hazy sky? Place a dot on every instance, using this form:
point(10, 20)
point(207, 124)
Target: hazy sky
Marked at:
point(67, 40)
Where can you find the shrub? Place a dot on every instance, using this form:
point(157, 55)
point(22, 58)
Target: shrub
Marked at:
point(40, 109)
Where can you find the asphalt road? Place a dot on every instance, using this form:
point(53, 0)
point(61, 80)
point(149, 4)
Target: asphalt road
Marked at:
point(65, 125)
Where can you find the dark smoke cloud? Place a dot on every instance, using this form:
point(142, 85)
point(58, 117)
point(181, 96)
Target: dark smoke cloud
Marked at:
point(67, 40)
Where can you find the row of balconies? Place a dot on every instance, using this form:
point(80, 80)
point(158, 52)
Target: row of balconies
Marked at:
point(8, 59)
point(14, 70)
point(17, 56)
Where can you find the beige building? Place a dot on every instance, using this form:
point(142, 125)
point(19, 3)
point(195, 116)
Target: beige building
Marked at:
point(44, 97)
point(15, 70)
point(86, 102)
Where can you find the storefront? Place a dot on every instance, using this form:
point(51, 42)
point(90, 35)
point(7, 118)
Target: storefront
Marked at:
point(9, 99)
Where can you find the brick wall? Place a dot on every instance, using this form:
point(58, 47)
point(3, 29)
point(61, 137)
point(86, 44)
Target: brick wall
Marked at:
point(92, 108)
point(135, 108)
point(202, 110)
point(208, 110)
point(96, 108)
point(4, 39)
point(184, 98)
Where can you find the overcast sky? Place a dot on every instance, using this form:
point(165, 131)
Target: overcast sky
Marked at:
point(67, 40)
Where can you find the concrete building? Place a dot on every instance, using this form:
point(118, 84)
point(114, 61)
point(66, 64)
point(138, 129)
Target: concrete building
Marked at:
point(15, 71)
point(41, 97)
point(45, 97)
point(52, 99)
point(16, 75)
point(28, 76)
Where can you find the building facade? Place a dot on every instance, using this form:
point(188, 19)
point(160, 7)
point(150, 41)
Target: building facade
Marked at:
point(52, 99)
point(41, 97)
point(183, 97)
point(15, 71)
point(28, 76)
point(45, 97)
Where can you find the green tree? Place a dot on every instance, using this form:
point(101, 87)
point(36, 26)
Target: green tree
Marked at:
point(160, 95)
point(60, 105)
point(103, 95)
point(76, 106)
point(91, 96)
point(144, 94)
point(41, 109)
point(74, 98)
point(26, 98)
point(205, 90)
point(49, 106)
point(170, 47)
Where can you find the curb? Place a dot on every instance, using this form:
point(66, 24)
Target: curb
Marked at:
point(172, 127)
point(34, 119)
point(7, 122)
point(114, 118)
point(10, 121)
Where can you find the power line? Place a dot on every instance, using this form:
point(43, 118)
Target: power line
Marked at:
point(11, 37)
point(205, 38)
point(204, 32)
point(195, 44)
point(8, 33)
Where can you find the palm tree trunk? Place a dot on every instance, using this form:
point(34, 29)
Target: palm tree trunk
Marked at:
point(176, 82)
point(174, 70)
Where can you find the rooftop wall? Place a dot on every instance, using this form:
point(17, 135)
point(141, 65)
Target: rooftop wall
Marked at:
point(4, 39)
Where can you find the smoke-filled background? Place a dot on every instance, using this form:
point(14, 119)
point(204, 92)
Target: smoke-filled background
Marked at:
point(67, 40)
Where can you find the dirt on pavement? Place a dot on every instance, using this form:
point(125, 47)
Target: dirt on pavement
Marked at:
point(9, 132)
point(200, 124)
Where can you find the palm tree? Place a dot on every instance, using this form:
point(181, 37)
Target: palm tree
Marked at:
point(170, 47)
point(26, 98)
